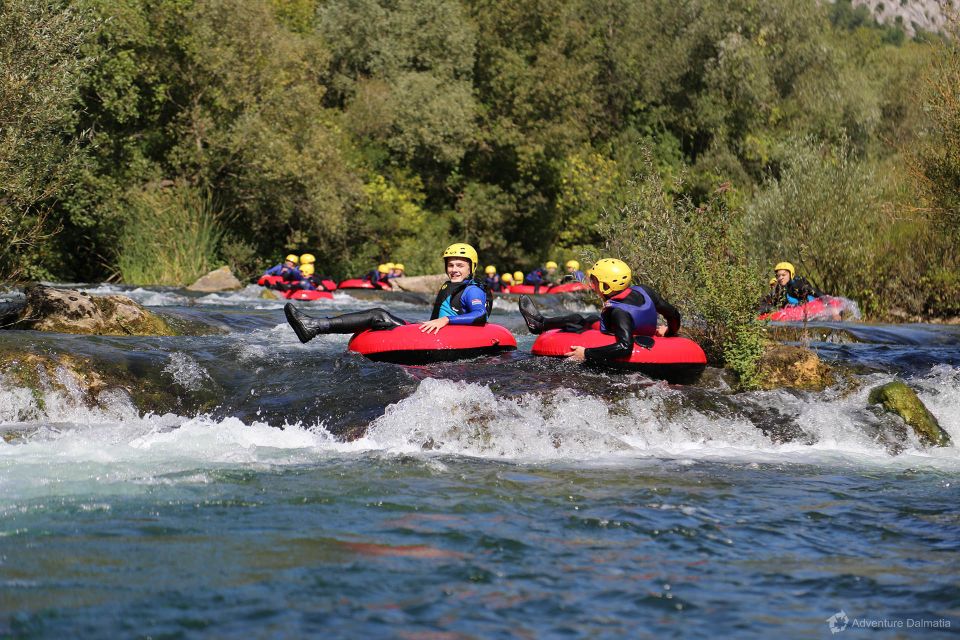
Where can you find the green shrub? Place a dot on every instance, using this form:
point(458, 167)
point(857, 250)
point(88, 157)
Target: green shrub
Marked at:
point(41, 68)
point(695, 257)
point(170, 236)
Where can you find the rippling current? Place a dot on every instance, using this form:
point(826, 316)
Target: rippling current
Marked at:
point(282, 490)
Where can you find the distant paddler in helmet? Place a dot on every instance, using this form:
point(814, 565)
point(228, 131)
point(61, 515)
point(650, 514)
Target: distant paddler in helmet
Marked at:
point(506, 280)
point(573, 273)
point(307, 281)
point(398, 271)
point(542, 276)
point(460, 301)
point(380, 274)
point(791, 289)
point(492, 279)
point(628, 312)
point(518, 277)
point(286, 269)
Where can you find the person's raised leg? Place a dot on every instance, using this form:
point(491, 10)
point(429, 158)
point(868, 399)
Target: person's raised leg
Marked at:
point(307, 327)
point(536, 323)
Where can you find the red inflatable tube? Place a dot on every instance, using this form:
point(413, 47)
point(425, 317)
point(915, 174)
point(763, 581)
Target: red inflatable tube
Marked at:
point(569, 287)
point(409, 345)
point(678, 360)
point(529, 288)
point(269, 281)
point(359, 283)
point(825, 308)
point(329, 285)
point(303, 294)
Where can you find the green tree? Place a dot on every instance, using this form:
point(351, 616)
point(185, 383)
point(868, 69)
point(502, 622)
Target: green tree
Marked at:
point(41, 67)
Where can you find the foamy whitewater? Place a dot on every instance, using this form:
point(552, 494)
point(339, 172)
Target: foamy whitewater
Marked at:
point(242, 484)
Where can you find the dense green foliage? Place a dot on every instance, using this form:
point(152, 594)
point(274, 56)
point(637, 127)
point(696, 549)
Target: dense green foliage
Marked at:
point(694, 256)
point(373, 130)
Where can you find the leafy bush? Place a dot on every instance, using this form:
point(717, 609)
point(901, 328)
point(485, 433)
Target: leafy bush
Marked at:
point(695, 257)
point(170, 237)
point(41, 67)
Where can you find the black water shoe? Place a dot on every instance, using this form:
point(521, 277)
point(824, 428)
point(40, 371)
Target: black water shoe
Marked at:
point(530, 315)
point(304, 326)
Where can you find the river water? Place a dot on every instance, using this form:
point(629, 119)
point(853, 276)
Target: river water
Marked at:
point(293, 490)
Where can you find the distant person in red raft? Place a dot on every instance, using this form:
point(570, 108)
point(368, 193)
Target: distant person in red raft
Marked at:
point(461, 301)
point(286, 269)
point(628, 312)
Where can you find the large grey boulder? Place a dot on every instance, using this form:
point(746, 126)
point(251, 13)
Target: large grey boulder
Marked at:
point(420, 284)
point(221, 279)
point(70, 311)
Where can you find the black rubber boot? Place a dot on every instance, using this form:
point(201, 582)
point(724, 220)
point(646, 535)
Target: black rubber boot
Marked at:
point(376, 319)
point(530, 315)
point(304, 326)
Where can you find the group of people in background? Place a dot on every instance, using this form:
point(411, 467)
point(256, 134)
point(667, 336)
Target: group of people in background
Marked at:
point(298, 273)
point(385, 272)
point(544, 276)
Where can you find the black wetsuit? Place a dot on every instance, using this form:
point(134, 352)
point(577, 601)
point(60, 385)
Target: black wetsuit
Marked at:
point(617, 322)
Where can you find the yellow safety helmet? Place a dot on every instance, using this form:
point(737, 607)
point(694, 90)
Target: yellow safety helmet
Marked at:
point(612, 275)
point(773, 281)
point(572, 264)
point(786, 266)
point(292, 258)
point(463, 250)
point(550, 264)
point(307, 269)
point(383, 268)
point(307, 258)
point(399, 266)
point(490, 270)
point(518, 276)
point(507, 278)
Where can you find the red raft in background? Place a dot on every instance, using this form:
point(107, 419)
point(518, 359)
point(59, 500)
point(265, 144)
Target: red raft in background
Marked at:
point(823, 308)
point(409, 345)
point(530, 289)
point(677, 360)
point(269, 281)
point(569, 287)
point(359, 283)
point(303, 294)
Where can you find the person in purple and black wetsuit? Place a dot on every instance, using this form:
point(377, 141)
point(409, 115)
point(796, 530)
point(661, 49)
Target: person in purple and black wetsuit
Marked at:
point(629, 313)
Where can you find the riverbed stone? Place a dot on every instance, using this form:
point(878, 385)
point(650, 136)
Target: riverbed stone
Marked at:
point(78, 312)
point(221, 279)
point(897, 397)
point(794, 367)
point(420, 284)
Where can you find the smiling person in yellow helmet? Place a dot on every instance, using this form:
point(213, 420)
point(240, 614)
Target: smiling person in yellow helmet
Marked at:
point(460, 301)
point(629, 313)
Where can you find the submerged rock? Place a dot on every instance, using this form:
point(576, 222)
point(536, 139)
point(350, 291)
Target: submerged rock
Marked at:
point(221, 279)
point(69, 311)
point(794, 367)
point(896, 397)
